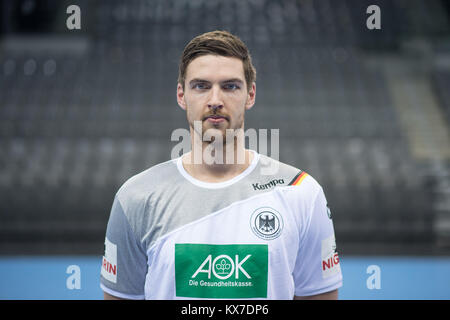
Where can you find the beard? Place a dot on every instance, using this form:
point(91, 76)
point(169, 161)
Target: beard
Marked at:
point(211, 141)
point(225, 131)
point(201, 126)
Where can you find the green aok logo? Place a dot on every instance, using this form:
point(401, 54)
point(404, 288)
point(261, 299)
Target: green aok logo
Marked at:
point(223, 267)
point(221, 271)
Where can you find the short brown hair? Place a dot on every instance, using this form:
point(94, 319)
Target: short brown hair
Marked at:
point(220, 43)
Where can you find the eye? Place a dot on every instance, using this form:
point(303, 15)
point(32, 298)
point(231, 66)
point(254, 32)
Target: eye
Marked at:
point(200, 86)
point(231, 86)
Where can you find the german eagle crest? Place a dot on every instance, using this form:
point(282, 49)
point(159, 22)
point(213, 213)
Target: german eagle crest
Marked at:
point(266, 223)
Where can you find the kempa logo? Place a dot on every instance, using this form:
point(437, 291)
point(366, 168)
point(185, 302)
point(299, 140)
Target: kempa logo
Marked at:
point(271, 184)
point(223, 267)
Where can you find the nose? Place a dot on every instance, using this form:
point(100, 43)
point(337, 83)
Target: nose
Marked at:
point(215, 100)
point(215, 107)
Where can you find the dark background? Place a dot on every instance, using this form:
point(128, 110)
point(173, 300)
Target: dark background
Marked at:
point(365, 112)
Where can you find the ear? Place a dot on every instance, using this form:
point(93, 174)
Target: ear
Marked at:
point(180, 97)
point(251, 96)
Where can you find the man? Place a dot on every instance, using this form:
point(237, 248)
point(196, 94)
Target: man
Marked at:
point(200, 227)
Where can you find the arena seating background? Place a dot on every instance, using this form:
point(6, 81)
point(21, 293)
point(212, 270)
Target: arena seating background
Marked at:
point(365, 112)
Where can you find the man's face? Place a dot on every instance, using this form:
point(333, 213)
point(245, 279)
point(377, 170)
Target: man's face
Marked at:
point(215, 93)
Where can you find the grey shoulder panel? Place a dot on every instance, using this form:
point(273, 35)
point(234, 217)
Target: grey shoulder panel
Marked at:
point(136, 193)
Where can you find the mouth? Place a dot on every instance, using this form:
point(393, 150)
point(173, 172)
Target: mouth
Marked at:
point(215, 118)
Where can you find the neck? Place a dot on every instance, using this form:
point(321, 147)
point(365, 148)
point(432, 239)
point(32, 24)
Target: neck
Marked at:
point(215, 161)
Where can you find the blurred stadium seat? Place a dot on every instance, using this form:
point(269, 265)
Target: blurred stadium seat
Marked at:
point(75, 124)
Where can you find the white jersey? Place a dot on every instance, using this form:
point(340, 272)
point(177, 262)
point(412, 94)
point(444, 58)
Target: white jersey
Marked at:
point(256, 236)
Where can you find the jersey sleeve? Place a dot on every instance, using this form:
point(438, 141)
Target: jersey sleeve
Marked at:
point(317, 269)
point(124, 264)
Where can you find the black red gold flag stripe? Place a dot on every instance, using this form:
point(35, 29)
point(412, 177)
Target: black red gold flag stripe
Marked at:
point(298, 178)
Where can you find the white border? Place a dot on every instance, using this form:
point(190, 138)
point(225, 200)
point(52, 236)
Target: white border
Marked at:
point(217, 185)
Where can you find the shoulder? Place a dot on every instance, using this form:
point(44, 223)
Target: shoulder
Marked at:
point(293, 175)
point(299, 190)
point(299, 193)
point(136, 190)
